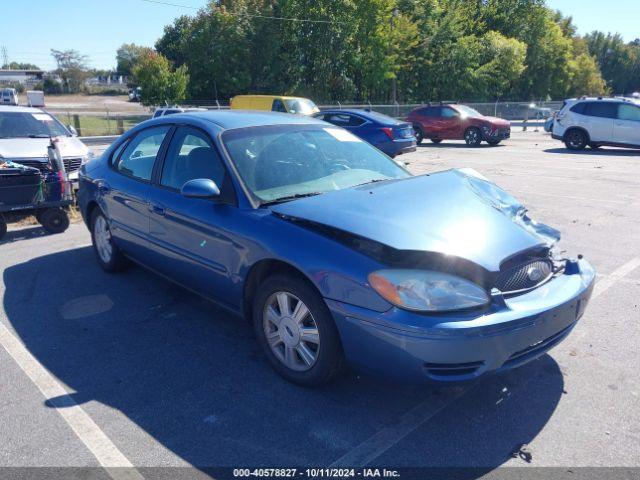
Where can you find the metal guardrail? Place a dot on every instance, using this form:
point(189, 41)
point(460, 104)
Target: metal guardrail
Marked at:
point(99, 140)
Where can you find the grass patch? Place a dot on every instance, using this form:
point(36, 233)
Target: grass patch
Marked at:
point(95, 125)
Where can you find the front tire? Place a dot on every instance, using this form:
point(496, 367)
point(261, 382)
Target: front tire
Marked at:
point(108, 254)
point(436, 140)
point(493, 143)
point(576, 140)
point(473, 137)
point(296, 331)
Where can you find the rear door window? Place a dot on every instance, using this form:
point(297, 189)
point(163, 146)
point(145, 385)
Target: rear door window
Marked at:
point(344, 120)
point(602, 109)
point(140, 154)
point(430, 112)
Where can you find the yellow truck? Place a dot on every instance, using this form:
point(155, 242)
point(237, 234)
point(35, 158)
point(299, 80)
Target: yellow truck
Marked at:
point(274, 103)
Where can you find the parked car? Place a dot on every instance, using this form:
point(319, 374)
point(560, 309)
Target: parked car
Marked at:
point(598, 121)
point(25, 134)
point(392, 136)
point(457, 122)
point(8, 96)
point(159, 112)
point(332, 250)
point(135, 94)
point(548, 124)
point(274, 103)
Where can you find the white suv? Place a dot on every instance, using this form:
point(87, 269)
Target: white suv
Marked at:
point(598, 121)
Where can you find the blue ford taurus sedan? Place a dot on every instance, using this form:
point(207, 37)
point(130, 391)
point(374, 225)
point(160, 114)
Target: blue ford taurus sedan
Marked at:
point(334, 252)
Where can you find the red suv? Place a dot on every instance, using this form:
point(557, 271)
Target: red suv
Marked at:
point(457, 122)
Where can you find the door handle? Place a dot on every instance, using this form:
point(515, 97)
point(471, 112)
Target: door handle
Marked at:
point(157, 209)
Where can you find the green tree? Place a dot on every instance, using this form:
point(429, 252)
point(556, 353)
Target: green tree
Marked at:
point(502, 64)
point(72, 68)
point(159, 83)
point(127, 56)
point(20, 66)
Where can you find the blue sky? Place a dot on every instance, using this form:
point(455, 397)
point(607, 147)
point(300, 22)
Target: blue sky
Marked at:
point(98, 28)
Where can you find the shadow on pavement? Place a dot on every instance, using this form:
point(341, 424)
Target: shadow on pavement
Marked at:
point(194, 379)
point(610, 152)
point(451, 144)
point(23, 233)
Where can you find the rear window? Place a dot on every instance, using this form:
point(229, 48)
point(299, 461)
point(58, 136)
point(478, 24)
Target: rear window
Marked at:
point(601, 109)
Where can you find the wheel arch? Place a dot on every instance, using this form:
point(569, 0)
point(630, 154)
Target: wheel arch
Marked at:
point(262, 270)
point(88, 213)
point(581, 129)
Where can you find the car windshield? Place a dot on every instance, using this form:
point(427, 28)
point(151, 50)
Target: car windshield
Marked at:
point(30, 125)
point(468, 111)
point(281, 162)
point(301, 105)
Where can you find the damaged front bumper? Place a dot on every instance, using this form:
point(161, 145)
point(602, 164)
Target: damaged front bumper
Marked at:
point(465, 345)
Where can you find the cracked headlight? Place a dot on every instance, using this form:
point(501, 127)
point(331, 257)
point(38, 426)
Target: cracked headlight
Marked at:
point(427, 291)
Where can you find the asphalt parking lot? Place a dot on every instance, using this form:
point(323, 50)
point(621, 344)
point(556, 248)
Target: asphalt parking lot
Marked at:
point(132, 369)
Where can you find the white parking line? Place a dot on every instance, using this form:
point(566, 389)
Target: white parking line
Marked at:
point(84, 427)
point(605, 284)
point(386, 438)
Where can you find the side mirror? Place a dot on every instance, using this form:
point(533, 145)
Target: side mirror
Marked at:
point(200, 188)
point(73, 130)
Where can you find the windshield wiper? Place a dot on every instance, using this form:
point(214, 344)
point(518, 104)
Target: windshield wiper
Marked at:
point(39, 135)
point(290, 197)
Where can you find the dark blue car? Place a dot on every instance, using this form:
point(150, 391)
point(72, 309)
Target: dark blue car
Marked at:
point(392, 136)
point(333, 251)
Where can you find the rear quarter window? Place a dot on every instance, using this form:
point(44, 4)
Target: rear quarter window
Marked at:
point(578, 108)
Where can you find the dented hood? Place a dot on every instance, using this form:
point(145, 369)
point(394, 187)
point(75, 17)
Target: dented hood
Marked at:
point(455, 212)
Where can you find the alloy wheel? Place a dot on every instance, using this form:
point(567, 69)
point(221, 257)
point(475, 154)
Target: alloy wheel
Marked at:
point(102, 236)
point(291, 331)
point(472, 137)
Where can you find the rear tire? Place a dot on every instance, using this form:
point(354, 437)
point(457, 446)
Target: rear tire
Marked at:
point(419, 134)
point(54, 220)
point(3, 226)
point(281, 328)
point(493, 143)
point(575, 140)
point(108, 254)
point(473, 137)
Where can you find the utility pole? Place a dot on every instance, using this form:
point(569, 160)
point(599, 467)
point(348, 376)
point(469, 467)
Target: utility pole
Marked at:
point(5, 57)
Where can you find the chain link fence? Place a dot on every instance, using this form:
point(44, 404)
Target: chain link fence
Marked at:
point(106, 123)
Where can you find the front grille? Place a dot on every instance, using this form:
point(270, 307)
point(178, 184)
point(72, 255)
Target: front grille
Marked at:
point(525, 276)
point(72, 164)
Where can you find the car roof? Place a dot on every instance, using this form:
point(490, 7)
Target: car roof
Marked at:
point(600, 99)
point(16, 108)
point(230, 119)
point(284, 97)
point(368, 114)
